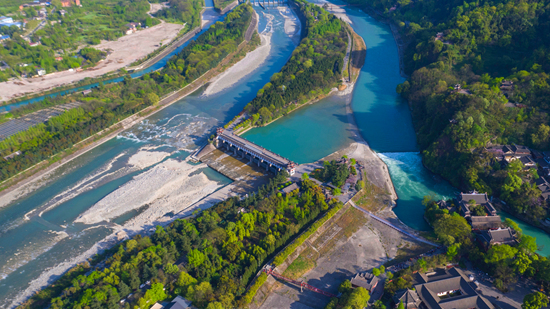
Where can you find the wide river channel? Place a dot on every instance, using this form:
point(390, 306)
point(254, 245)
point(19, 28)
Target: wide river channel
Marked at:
point(39, 237)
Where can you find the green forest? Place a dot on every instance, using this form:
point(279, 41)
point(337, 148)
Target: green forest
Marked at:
point(503, 262)
point(96, 20)
point(314, 68)
point(114, 102)
point(478, 45)
point(183, 11)
point(209, 258)
point(221, 4)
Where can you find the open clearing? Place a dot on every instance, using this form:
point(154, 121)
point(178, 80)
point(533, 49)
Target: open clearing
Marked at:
point(349, 244)
point(125, 51)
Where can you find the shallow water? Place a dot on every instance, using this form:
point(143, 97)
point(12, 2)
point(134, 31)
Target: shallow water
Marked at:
point(31, 243)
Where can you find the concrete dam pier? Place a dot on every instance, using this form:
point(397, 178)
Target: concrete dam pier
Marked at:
point(242, 160)
point(247, 150)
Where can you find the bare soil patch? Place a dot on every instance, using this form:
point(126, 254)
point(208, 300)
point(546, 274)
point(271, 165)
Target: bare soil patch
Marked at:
point(125, 51)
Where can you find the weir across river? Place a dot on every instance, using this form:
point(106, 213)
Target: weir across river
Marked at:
point(257, 154)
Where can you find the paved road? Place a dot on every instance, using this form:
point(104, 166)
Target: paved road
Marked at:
point(393, 226)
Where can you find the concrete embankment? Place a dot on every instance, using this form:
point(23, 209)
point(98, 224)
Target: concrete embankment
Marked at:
point(228, 8)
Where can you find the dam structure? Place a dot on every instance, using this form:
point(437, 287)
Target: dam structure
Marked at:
point(239, 146)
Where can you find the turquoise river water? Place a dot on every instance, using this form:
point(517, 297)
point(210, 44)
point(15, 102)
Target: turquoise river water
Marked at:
point(384, 121)
point(38, 235)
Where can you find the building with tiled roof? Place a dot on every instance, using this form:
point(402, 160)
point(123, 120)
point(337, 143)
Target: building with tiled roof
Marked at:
point(448, 289)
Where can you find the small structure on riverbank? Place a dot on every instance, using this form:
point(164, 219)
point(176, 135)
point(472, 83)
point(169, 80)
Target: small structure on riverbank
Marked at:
point(491, 238)
point(366, 280)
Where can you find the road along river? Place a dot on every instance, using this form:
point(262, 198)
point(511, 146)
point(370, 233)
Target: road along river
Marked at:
point(61, 219)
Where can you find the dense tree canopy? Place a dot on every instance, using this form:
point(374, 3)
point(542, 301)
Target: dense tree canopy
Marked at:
point(209, 259)
point(315, 67)
point(478, 45)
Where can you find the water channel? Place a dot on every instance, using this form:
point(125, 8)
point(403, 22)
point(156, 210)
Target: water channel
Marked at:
point(31, 243)
point(384, 121)
point(38, 232)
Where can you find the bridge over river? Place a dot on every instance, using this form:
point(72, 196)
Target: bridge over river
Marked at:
point(257, 154)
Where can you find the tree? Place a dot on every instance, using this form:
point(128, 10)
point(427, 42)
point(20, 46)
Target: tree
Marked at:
point(376, 272)
point(452, 251)
point(401, 306)
point(153, 98)
point(534, 300)
point(185, 280)
point(123, 289)
point(336, 191)
point(196, 258)
point(305, 176)
point(500, 253)
point(452, 227)
point(379, 305)
point(510, 223)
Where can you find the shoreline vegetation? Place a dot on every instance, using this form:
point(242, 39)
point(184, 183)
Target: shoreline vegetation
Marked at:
point(484, 111)
point(112, 130)
point(314, 69)
point(163, 50)
point(221, 242)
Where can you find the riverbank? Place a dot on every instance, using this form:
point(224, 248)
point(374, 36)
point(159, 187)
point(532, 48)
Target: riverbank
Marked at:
point(244, 67)
point(124, 51)
point(27, 181)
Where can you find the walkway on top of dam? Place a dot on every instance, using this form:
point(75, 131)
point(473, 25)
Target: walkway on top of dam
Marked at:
point(257, 151)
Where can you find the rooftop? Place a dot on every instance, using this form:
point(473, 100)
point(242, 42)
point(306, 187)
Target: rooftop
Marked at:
point(409, 298)
point(449, 289)
point(499, 236)
point(290, 188)
point(365, 280)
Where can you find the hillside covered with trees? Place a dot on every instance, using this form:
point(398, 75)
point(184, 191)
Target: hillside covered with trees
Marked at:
point(115, 102)
point(477, 45)
point(209, 259)
point(314, 68)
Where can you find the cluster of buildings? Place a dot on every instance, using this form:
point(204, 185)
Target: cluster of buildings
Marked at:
point(442, 289)
point(531, 159)
point(132, 27)
point(35, 3)
point(482, 216)
point(8, 22)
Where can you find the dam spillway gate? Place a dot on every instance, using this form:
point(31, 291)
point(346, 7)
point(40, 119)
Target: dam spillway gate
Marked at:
point(239, 146)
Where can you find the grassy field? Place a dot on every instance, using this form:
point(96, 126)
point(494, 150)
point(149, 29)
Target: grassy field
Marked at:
point(302, 264)
point(371, 197)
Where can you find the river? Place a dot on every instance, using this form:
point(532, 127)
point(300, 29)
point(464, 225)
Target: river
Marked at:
point(31, 244)
point(38, 232)
point(154, 67)
point(384, 121)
